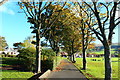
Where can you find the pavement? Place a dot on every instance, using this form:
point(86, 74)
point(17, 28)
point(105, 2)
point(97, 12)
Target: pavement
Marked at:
point(66, 71)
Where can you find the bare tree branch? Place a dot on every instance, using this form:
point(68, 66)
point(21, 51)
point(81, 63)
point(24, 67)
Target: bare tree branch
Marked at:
point(112, 22)
point(117, 19)
point(25, 12)
point(117, 23)
point(2, 2)
point(89, 6)
point(98, 19)
point(107, 17)
point(26, 6)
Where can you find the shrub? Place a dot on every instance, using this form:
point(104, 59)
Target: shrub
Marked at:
point(48, 57)
point(47, 64)
point(27, 59)
point(48, 53)
point(2, 55)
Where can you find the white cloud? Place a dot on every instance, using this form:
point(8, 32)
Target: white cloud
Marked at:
point(7, 10)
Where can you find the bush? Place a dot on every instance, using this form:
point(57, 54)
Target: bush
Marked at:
point(2, 55)
point(48, 54)
point(47, 64)
point(48, 57)
point(11, 55)
point(27, 59)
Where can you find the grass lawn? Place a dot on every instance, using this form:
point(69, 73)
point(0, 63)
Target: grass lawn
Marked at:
point(7, 73)
point(16, 74)
point(95, 69)
point(102, 52)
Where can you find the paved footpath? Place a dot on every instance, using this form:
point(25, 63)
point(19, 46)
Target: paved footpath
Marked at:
point(66, 71)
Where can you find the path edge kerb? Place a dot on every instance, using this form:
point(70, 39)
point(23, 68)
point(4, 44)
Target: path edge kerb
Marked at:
point(77, 68)
point(46, 74)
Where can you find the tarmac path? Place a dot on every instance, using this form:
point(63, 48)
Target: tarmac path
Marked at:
point(66, 71)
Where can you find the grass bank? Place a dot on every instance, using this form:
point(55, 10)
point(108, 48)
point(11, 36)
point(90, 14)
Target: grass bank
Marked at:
point(95, 67)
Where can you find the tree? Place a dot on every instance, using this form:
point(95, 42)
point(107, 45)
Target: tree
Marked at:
point(55, 33)
point(71, 35)
point(48, 30)
point(86, 33)
point(3, 43)
point(86, 40)
point(18, 45)
point(71, 41)
point(101, 19)
point(44, 44)
point(51, 31)
point(27, 43)
point(34, 12)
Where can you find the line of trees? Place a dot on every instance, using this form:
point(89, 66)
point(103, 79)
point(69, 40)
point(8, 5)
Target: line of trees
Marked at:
point(100, 21)
point(72, 25)
point(38, 13)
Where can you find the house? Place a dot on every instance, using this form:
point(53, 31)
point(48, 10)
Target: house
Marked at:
point(10, 51)
point(63, 54)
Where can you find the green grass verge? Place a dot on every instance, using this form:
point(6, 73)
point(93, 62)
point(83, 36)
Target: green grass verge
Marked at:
point(16, 74)
point(7, 61)
point(95, 69)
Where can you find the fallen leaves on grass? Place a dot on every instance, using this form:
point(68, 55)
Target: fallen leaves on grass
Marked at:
point(89, 75)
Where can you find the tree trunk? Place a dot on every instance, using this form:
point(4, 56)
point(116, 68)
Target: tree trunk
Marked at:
point(70, 57)
point(84, 59)
point(38, 54)
point(83, 50)
point(73, 58)
point(56, 56)
point(107, 57)
point(38, 49)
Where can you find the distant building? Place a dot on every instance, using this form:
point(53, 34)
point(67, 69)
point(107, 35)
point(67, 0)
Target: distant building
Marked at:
point(10, 51)
point(64, 54)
